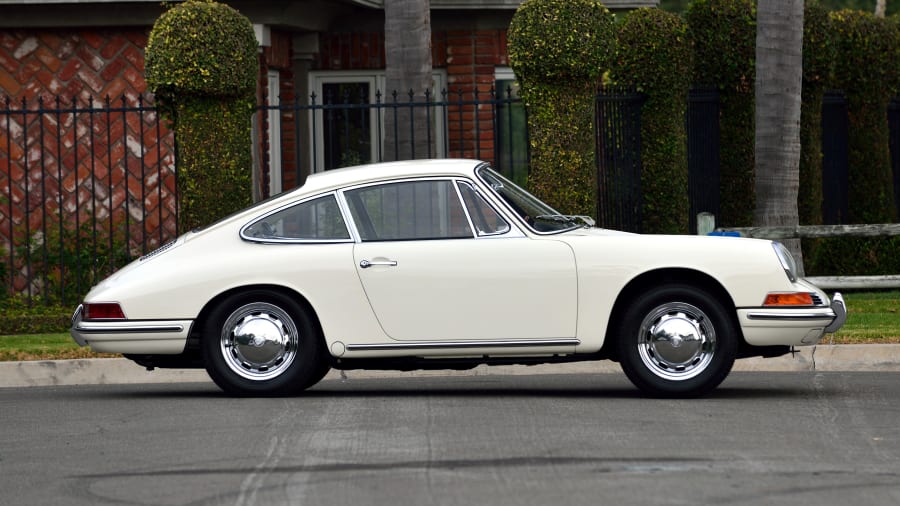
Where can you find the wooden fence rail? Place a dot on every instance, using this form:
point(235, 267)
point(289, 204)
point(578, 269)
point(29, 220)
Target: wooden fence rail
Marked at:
point(706, 224)
point(817, 231)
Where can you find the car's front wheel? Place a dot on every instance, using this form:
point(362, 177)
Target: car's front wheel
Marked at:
point(677, 341)
point(262, 343)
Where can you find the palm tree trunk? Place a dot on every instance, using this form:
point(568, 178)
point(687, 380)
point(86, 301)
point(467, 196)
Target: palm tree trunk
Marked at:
point(779, 71)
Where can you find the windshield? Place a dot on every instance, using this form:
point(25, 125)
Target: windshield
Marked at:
point(537, 215)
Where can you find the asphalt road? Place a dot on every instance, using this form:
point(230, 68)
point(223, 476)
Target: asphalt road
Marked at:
point(804, 438)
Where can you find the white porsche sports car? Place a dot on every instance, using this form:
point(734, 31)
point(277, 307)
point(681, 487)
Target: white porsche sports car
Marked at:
point(445, 264)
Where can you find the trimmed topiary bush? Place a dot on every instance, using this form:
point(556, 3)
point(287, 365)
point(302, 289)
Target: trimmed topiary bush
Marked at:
point(724, 34)
point(559, 50)
point(655, 58)
point(201, 63)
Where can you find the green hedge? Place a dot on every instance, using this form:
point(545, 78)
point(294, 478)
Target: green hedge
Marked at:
point(559, 50)
point(818, 69)
point(866, 69)
point(655, 58)
point(202, 65)
point(724, 34)
point(19, 318)
point(818, 73)
point(868, 49)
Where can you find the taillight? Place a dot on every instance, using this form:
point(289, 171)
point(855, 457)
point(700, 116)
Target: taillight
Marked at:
point(103, 311)
point(788, 299)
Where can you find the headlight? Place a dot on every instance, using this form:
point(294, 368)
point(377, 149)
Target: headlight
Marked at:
point(787, 260)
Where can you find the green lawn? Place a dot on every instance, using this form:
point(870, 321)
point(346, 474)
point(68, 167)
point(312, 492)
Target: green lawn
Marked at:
point(874, 317)
point(42, 347)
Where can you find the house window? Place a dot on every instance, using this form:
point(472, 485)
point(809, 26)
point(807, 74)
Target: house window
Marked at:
point(348, 126)
point(512, 131)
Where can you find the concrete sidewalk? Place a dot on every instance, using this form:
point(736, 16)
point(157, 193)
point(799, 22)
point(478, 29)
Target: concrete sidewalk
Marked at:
point(842, 357)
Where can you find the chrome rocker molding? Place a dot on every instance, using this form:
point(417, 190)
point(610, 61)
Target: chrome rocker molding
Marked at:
point(463, 344)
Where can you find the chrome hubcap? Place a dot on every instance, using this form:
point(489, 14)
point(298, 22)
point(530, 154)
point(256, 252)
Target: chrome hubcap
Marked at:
point(677, 341)
point(259, 341)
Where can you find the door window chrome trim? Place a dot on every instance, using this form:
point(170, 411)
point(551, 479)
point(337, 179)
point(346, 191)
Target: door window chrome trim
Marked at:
point(514, 230)
point(299, 240)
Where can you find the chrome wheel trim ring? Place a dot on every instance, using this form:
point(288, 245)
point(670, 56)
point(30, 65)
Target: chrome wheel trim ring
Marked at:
point(676, 341)
point(259, 341)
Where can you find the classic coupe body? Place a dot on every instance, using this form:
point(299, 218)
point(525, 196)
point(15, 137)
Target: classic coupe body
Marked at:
point(445, 264)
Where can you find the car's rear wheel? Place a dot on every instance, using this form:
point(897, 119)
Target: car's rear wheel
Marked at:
point(677, 341)
point(262, 343)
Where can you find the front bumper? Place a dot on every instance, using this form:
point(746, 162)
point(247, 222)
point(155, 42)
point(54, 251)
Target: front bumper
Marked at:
point(840, 312)
point(792, 326)
point(162, 337)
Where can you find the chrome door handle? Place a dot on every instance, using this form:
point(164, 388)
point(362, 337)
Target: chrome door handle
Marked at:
point(365, 264)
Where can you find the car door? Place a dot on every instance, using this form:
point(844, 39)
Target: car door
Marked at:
point(429, 277)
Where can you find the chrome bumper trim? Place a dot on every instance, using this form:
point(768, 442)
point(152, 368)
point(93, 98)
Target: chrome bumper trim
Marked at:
point(81, 328)
point(836, 312)
point(840, 310)
point(771, 315)
point(127, 329)
point(463, 344)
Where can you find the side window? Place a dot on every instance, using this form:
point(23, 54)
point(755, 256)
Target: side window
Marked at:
point(411, 210)
point(484, 218)
point(317, 220)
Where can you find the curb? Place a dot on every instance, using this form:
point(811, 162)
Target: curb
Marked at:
point(101, 371)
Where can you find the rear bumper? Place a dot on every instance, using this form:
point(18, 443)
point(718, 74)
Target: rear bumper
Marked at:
point(131, 336)
point(792, 326)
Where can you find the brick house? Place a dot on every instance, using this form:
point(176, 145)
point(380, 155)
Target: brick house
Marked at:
point(85, 51)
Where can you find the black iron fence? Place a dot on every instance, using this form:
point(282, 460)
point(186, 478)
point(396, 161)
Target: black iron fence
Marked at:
point(618, 144)
point(89, 186)
point(85, 187)
point(703, 152)
point(347, 127)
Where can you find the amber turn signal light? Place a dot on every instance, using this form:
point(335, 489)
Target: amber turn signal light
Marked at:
point(788, 299)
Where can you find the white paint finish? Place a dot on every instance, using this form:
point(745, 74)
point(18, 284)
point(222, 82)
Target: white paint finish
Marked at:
point(468, 289)
point(461, 289)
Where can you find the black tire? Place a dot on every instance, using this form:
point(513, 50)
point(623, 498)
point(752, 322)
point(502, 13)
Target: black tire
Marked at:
point(277, 351)
point(677, 341)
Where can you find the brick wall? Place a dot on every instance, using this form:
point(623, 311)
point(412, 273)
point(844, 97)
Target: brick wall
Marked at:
point(88, 166)
point(75, 146)
point(73, 63)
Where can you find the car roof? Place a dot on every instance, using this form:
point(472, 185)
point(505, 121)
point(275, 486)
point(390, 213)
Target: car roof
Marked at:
point(362, 174)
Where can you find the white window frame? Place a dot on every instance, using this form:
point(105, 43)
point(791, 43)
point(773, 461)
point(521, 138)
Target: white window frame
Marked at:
point(377, 82)
point(504, 74)
point(273, 87)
